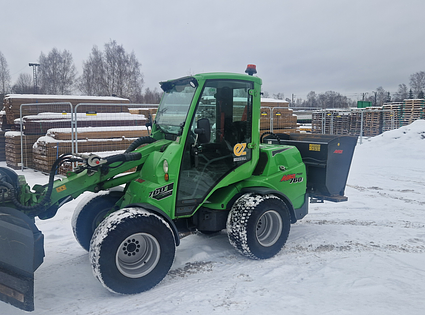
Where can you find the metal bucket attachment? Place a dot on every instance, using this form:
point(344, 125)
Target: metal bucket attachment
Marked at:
point(327, 159)
point(22, 252)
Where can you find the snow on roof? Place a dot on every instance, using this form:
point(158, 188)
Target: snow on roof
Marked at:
point(81, 116)
point(272, 100)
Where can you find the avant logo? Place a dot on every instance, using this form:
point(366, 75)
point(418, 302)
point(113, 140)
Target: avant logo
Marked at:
point(239, 149)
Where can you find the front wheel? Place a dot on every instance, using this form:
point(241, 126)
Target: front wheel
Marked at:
point(90, 212)
point(132, 250)
point(258, 226)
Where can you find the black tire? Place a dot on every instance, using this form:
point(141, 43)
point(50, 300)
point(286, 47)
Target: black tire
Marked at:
point(258, 226)
point(132, 250)
point(88, 215)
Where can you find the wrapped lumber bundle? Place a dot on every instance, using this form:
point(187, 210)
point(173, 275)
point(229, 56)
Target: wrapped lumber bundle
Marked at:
point(12, 104)
point(13, 149)
point(46, 149)
point(41, 123)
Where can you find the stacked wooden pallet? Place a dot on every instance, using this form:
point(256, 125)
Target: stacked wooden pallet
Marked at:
point(13, 149)
point(372, 122)
point(2, 147)
point(391, 113)
point(412, 109)
point(331, 122)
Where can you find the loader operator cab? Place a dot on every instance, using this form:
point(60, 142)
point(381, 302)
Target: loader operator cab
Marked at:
point(220, 131)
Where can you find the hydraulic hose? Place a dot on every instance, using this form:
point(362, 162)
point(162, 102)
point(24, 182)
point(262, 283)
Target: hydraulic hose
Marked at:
point(138, 142)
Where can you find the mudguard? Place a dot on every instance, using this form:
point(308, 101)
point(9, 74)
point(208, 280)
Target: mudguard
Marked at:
point(21, 253)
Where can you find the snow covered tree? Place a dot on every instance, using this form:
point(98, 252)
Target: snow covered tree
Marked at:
point(4, 75)
point(57, 72)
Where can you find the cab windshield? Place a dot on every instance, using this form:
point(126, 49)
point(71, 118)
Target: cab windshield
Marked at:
point(175, 103)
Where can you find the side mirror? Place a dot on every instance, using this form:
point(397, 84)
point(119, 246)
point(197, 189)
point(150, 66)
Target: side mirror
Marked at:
point(203, 130)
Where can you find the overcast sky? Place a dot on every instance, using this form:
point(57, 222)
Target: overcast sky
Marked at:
point(351, 47)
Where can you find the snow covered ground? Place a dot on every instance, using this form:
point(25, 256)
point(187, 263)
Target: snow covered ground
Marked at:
point(364, 256)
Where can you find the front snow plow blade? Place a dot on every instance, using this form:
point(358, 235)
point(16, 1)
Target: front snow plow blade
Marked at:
point(21, 253)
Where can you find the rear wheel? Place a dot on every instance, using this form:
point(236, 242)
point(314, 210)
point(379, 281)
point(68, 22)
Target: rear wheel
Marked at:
point(132, 250)
point(258, 226)
point(88, 215)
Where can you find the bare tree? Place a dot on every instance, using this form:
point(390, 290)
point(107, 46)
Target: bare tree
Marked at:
point(113, 72)
point(312, 100)
point(331, 99)
point(417, 82)
point(382, 96)
point(4, 75)
point(24, 84)
point(57, 72)
point(401, 94)
point(93, 82)
point(279, 96)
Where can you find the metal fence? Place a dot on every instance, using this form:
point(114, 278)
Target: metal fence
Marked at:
point(367, 122)
point(47, 130)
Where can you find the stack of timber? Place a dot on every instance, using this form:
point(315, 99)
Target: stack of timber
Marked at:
point(13, 149)
point(147, 112)
point(411, 110)
point(41, 123)
point(276, 116)
point(3, 121)
point(46, 149)
point(12, 104)
point(391, 113)
point(2, 146)
point(98, 133)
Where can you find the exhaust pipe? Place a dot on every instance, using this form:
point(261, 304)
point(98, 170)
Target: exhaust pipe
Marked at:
point(22, 252)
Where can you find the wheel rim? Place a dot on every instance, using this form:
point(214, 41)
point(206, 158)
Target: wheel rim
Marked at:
point(138, 255)
point(269, 228)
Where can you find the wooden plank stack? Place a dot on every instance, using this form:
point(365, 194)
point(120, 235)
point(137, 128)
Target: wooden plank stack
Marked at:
point(46, 149)
point(98, 133)
point(13, 149)
point(277, 116)
point(2, 146)
point(12, 104)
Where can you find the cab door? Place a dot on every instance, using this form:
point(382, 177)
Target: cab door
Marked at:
point(225, 110)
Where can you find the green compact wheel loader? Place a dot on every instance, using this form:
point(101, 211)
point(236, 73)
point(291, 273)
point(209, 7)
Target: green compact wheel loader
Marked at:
point(205, 167)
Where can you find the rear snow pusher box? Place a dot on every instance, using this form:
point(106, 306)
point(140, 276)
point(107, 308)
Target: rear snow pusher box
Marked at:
point(327, 159)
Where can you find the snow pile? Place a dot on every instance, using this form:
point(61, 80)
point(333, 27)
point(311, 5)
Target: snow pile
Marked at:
point(364, 256)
